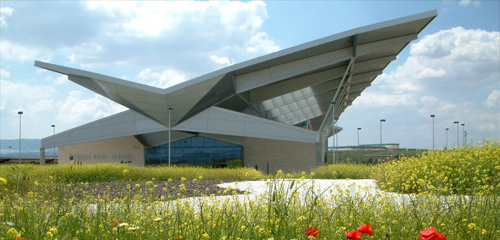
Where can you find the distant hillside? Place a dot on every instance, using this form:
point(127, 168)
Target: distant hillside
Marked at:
point(29, 147)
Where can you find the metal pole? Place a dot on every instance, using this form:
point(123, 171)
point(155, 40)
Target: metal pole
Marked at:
point(358, 136)
point(447, 138)
point(463, 131)
point(456, 122)
point(432, 116)
point(20, 113)
point(334, 160)
point(54, 126)
point(381, 121)
point(169, 134)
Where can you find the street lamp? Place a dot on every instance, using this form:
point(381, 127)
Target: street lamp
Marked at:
point(456, 122)
point(169, 133)
point(432, 116)
point(463, 130)
point(381, 121)
point(54, 127)
point(20, 113)
point(447, 138)
point(358, 136)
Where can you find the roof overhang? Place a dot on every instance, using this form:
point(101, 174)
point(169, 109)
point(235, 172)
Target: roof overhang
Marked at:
point(312, 82)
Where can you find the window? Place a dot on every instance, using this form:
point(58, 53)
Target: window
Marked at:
point(199, 151)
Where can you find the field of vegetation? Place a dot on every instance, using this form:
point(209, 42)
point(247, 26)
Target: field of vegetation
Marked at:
point(457, 192)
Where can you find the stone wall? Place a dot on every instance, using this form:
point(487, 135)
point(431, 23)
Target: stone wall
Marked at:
point(117, 150)
point(279, 155)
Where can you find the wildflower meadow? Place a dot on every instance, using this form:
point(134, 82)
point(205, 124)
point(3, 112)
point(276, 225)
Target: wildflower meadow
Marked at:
point(440, 195)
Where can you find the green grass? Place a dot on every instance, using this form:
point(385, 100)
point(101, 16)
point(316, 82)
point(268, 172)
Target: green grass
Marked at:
point(23, 176)
point(33, 202)
point(343, 171)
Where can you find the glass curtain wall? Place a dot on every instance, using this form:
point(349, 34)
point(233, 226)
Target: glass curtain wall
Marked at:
point(198, 151)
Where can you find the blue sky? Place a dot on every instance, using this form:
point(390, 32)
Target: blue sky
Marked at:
point(452, 70)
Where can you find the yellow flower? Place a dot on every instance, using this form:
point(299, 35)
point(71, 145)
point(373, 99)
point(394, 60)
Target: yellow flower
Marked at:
point(3, 181)
point(157, 219)
point(13, 232)
point(123, 225)
point(133, 229)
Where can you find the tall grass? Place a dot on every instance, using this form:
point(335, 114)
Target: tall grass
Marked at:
point(43, 209)
point(474, 170)
point(342, 171)
point(23, 176)
point(283, 212)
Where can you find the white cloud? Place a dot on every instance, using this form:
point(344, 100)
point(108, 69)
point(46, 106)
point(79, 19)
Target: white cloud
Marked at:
point(428, 99)
point(493, 99)
point(4, 12)
point(176, 35)
point(61, 80)
point(85, 52)
point(447, 107)
point(20, 94)
point(76, 109)
point(221, 60)
point(374, 99)
point(4, 73)
point(261, 43)
point(13, 51)
point(167, 78)
point(453, 60)
point(43, 105)
point(468, 2)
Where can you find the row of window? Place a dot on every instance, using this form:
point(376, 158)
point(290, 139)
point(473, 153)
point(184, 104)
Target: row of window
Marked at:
point(194, 151)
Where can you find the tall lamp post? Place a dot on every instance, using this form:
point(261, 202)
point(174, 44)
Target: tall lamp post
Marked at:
point(432, 116)
point(54, 127)
point(20, 113)
point(169, 134)
point(463, 130)
point(447, 138)
point(381, 121)
point(358, 136)
point(458, 124)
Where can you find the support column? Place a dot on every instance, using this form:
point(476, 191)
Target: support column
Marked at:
point(42, 156)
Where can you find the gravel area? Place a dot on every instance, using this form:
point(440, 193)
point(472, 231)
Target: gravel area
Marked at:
point(157, 189)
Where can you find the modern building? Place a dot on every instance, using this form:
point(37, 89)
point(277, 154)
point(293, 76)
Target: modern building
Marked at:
point(273, 112)
point(366, 147)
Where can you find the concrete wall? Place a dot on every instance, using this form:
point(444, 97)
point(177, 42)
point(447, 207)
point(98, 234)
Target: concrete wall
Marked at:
point(285, 155)
point(124, 149)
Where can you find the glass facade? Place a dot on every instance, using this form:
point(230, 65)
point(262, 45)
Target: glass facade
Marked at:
point(196, 151)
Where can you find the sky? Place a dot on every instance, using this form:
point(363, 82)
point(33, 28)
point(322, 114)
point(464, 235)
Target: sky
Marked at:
point(452, 70)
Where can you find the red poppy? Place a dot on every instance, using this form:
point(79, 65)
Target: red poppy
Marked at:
point(431, 234)
point(311, 232)
point(178, 239)
point(365, 229)
point(117, 223)
point(21, 239)
point(353, 235)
